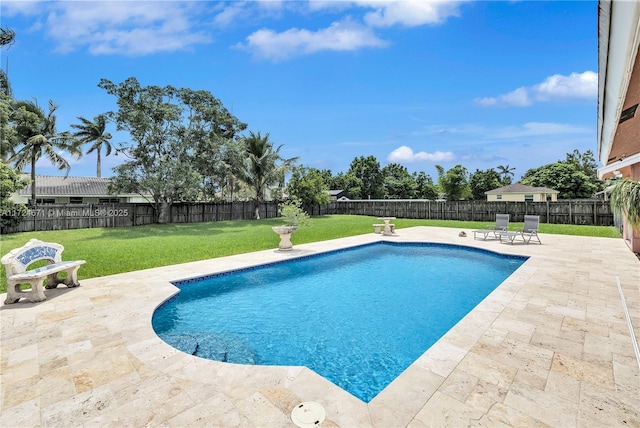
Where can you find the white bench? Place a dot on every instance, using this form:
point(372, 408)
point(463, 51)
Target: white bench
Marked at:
point(380, 227)
point(17, 261)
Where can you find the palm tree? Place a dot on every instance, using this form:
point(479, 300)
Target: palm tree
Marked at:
point(7, 36)
point(625, 199)
point(94, 132)
point(506, 174)
point(263, 166)
point(38, 136)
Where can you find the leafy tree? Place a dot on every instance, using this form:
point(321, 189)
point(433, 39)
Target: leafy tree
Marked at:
point(10, 181)
point(397, 182)
point(439, 189)
point(8, 134)
point(218, 160)
point(349, 182)
point(308, 186)
point(263, 166)
point(586, 163)
point(483, 181)
point(94, 132)
point(455, 183)
point(367, 170)
point(563, 177)
point(327, 178)
point(37, 136)
point(5, 85)
point(218, 152)
point(625, 199)
point(425, 189)
point(166, 125)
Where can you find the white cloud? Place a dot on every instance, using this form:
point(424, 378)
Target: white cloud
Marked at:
point(484, 133)
point(554, 88)
point(406, 154)
point(339, 36)
point(119, 27)
point(576, 85)
point(231, 13)
point(25, 7)
point(535, 129)
point(387, 13)
point(235, 12)
point(409, 13)
point(140, 27)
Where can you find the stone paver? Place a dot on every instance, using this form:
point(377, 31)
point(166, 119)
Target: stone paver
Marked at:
point(549, 347)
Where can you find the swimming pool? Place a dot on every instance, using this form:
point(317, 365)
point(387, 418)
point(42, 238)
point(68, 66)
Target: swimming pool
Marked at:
point(358, 317)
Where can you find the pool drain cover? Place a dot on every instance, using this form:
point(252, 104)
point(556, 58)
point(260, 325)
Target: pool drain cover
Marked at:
point(308, 414)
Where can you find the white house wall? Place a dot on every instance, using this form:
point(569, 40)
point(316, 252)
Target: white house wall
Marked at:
point(619, 39)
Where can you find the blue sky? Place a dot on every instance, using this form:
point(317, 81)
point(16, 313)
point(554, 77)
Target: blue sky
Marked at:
point(419, 83)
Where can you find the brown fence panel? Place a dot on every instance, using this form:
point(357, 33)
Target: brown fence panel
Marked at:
point(583, 211)
point(67, 216)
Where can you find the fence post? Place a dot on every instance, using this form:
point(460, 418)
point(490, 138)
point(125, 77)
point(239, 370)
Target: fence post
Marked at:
point(547, 211)
point(570, 219)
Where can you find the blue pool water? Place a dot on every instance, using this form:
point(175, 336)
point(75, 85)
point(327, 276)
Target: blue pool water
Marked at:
point(358, 317)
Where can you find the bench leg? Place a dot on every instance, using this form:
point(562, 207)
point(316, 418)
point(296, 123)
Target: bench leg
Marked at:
point(15, 293)
point(377, 229)
point(70, 281)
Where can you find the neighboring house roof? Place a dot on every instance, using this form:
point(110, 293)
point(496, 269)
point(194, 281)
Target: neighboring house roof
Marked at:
point(51, 185)
point(335, 192)
point(520, 188)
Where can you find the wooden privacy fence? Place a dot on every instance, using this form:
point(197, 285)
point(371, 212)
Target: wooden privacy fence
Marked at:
point(67, 216)
point(575, 211)
point(85, 216)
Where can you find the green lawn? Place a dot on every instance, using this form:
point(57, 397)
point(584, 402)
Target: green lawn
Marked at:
point(116, 250)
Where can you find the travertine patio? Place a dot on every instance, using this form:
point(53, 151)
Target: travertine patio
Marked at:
point(550, 346)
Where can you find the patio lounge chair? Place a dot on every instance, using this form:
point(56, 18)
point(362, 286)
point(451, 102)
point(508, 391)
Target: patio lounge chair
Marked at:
point(530, 228)
point(502, 224)
point(528, 231)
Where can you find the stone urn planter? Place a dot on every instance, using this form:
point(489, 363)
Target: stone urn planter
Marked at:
point(293, 216)
point(285, 236)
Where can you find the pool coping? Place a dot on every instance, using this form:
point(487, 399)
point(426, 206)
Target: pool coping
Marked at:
point(104, 348)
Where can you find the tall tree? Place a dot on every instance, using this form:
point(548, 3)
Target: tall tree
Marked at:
point(397, 182)
point(455, 183)
point(584, 162)
point(308, 186)
point(37, 136)
point(425, 188)
point(483, 181)
point(8, 135)
point(11, 214)
point(367, 169)
point(505, 173)
point(166, 125)
point(349, 182)
point(94, 133)
point(263, 166)
point(563, 177)
point(218, 160)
